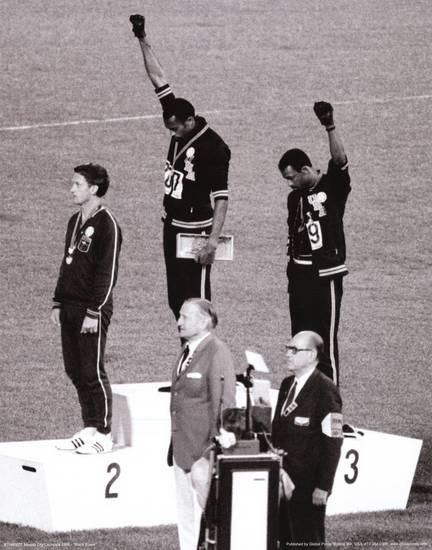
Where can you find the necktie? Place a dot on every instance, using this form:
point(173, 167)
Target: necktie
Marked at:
point(289, 399)
point(183, 360)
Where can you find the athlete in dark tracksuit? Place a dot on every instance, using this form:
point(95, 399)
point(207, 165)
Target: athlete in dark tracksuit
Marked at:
point(83, 297)
point(316, 242)
point(196, 172)
point(195, 184)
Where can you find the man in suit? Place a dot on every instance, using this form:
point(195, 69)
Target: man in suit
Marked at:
point(203, 384)
point(308, 425)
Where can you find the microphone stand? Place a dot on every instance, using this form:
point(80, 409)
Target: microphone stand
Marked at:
point(248, 383)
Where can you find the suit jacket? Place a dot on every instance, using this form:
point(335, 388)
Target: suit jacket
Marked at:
point(311, 434)
point(203, 389)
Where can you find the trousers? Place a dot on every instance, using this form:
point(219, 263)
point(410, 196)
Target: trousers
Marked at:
point(301, 524)
point(185, 278)
point(315, 304)
point(83, 356)
point(189, 512)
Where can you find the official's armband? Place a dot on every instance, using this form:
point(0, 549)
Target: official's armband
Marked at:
point(332, 425)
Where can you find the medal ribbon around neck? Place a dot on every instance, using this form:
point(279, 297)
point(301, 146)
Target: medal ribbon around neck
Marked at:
point(76, 232)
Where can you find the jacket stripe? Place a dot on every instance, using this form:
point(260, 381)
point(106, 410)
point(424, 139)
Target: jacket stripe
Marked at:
point(98, 361)
point(220, 194)
point(164, 91)
point(192, 225)
point(333, 270)
point(302, 262)
point(113, 268)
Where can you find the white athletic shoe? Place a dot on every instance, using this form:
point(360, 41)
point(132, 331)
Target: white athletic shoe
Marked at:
point(77, 440)
point(100, 443)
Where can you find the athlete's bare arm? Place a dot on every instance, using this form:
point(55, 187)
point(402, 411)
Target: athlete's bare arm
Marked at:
point(152, 66)
point(207, 254)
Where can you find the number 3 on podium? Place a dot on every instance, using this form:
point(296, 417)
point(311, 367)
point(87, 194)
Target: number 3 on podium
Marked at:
point(354, 456)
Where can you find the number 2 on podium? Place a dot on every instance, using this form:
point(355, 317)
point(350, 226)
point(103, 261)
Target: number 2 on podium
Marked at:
point(116, 467)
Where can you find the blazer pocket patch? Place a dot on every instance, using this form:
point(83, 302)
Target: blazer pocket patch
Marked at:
point(302, 421)
point(195, 375)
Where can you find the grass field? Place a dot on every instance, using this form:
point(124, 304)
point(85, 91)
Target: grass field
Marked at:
point(74, 90)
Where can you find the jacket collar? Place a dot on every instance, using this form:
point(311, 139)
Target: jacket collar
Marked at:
point(196, 353)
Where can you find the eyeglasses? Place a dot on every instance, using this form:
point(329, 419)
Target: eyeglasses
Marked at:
point(294, 350)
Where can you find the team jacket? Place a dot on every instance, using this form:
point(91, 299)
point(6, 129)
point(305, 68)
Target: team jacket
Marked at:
point(311, 434)
point(196, 172)
point(198, 394)
point(316, 237)
point(89, 268)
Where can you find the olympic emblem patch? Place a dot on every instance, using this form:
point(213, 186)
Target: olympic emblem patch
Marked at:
point(84, 244)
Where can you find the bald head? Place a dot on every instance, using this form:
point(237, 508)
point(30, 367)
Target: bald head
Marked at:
point(304, 351)
point(311, 340)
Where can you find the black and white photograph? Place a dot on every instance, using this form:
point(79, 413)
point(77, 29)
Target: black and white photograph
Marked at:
point(215, 270)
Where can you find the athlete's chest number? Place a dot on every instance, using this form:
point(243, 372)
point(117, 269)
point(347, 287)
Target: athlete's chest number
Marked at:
point(116, 468)
point(173, 183)
point(314, 233)
point(353, 456)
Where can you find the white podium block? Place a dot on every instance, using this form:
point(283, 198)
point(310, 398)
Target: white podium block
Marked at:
point(141, 415)
point(132, 486)
point(56, 490)
point(375, 472)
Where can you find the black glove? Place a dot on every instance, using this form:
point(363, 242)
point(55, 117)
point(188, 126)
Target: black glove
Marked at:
point(324, 111)
point(138, 24)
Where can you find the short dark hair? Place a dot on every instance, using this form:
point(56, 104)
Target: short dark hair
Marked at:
point(295, 158)
point(181, 108)
point(94, 175)
point(207, 308)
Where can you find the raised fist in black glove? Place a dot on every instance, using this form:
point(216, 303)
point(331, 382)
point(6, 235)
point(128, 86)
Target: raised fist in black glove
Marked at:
point(138, 24)
point(324, 111)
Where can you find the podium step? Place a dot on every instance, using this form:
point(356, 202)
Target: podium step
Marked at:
point(56, 490)
point(132, 486)
point(375, 472)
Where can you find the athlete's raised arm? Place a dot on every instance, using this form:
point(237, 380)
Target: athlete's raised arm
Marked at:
point(152, 66)
point(324, 112)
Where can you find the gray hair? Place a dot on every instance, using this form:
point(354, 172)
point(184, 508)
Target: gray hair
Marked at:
point(207, 308)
